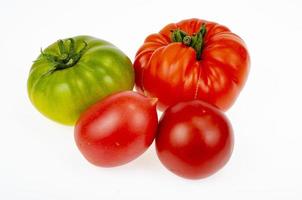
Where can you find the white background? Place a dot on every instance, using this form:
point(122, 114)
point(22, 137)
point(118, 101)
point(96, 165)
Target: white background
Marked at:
point(39, 160)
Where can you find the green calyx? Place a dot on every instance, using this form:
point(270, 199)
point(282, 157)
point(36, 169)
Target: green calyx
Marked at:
point(67, 56)
point(196, 41)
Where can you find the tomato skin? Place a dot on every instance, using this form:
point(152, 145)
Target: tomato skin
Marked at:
point(64, 94)
point(117, 129)
point(170, 71)
point(194, 139)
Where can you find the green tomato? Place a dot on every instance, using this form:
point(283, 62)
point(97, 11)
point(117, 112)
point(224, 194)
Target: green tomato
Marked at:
point(72, 74)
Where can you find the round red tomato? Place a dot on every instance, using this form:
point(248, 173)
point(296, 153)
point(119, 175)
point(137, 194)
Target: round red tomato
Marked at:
point(192, 59)
point(117, 129)
point(194, 139)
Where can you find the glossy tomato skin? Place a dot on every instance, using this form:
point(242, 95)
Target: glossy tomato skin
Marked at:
point(64, 94)
point(194, 139)
point(171, 72)
point(117, 130)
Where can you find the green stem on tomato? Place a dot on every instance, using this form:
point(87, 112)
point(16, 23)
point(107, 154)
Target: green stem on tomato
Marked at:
point(196, 41)
point(67, 56)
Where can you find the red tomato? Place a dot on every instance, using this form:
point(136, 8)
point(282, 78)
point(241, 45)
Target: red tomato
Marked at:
point(192, 59)
point(117, 129)
point(194, 139)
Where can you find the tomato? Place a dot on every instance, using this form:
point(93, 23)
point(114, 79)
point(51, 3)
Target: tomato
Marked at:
point(192, 59)
point(72, 74)
point(117, 129)
point(194, 139)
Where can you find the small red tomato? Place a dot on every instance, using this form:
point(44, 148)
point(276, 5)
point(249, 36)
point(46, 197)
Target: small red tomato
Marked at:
point(117, 129)
point(194, 139)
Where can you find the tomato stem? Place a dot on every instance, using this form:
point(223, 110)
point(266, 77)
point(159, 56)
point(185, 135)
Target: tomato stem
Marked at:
point(196, 41)
point(187, 40)
point(67, 56)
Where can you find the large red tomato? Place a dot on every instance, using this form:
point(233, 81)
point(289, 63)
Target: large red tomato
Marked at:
point(192, 59)
point(117, 129)
point(194, 139)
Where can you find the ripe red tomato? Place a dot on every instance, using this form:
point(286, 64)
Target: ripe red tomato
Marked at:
point(117, 129)
point(194, 139)
point(192, 59)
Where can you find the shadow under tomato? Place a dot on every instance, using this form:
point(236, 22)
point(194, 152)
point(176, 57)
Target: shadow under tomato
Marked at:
point(147, 161)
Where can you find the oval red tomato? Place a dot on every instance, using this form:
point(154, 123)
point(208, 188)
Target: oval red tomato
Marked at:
point(194, 139)
point(117, 129)
point(192, 59)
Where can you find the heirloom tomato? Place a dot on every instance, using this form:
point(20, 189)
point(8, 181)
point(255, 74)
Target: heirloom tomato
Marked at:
point(74, 73)
point(192, 59)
